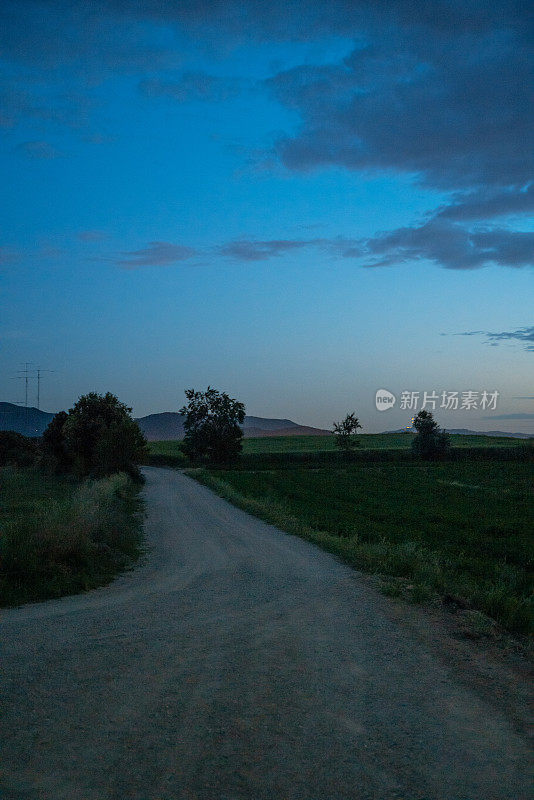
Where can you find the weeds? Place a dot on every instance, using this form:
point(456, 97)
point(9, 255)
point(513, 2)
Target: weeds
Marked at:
point(58, 537)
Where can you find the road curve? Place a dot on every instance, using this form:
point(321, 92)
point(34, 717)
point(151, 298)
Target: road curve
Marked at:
point(239, 662)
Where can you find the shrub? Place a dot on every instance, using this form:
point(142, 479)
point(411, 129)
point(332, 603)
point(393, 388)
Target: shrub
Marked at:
point(16, 450)
point(430, 441)
point(73, 540)
point(96, 438)
point(345, 433)
point(54, 447)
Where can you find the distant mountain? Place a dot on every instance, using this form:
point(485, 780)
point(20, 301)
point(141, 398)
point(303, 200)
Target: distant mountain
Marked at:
point(293, 430)
point(163, 427)
point(28, 421)
point(170, 425)
point(467, 432)
point(266, 424)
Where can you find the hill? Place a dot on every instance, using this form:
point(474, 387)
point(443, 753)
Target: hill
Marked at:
point(169, 426)
point(166, 426)
point(28, 421)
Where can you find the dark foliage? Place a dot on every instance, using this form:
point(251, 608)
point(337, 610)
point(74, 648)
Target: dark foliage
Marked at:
point(56, 456)
point(212, 426)
point(345, 433)
point(431, 441)
point(97, 437)
point(16, 450)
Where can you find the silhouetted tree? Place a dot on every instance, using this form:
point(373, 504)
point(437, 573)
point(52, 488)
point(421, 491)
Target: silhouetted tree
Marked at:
point(53, 445)
point(17, 450)
point(431, 441)
point(345, 433)
point(97, 437)
point(212, 426)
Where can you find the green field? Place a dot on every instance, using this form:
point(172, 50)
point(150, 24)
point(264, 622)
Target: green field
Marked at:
point(312, 444)
point(463, 529)
point(59, 536)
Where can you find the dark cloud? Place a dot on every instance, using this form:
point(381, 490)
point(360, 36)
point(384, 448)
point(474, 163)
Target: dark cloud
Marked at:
point(489, 205)
point(254, 250)
point(440, 91)
point(251, 250)
point(523, 335)
point(445, 97)
point(155, 254)
point(236, 20)
point(447, 244)
point(452, 246)
point(89, 38)
point(455, 114)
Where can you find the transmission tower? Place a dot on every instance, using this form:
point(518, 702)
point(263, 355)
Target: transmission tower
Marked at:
point(39, 372)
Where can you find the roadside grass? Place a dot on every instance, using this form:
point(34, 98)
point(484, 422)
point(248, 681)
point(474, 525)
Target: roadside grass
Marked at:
point(171, 450)
point(449, 529)
point(59, 536)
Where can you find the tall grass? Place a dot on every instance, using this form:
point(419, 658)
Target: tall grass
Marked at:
point(58, 537)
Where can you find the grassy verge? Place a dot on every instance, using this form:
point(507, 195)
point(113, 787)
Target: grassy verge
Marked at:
point(452, 528)
point(59, 537)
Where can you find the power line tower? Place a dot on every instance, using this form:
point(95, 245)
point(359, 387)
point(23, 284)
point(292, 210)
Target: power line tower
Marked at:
point(25, 374)
point(39, 372)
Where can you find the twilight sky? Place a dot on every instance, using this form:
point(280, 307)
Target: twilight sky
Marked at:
point(297, 203)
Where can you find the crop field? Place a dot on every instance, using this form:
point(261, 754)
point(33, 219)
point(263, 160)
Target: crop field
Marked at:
point(461, 529)
point(311, 444)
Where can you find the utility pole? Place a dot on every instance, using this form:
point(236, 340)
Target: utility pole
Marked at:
point(39, 371)
point(25, 373)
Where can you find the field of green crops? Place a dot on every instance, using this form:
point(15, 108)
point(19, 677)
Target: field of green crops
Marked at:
point(463, 529)
point(309, 444)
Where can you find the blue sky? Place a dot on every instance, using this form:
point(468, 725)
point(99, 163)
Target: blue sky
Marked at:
point(298, 204)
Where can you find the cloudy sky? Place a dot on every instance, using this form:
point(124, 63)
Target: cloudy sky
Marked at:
point(298, 203)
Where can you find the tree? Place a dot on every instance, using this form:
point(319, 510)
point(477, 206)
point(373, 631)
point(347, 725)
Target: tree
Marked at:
point(212, 426)
point(54, 448)
point(430, 441)
point(97, 437)
point(345, 433)
point(17, 450)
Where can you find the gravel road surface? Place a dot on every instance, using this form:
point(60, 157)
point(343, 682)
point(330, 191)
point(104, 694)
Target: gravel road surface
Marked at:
point(240, 662)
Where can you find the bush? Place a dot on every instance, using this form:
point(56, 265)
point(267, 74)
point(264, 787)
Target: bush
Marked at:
point(430, 441)
point(345, 433)
point(66, 537)
point(17, 450)
point(96, 438)
point(56, 456)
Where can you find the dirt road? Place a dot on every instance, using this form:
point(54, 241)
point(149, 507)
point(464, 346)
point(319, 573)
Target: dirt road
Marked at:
point(240, 662)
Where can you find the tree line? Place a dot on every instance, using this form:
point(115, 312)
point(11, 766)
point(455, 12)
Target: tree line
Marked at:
point(98, 436)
